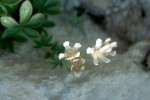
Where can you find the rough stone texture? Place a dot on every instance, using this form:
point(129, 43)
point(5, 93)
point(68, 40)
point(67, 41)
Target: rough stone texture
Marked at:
point(128, 19)
point(145, 5)
point(27, 77)
point(148, 60)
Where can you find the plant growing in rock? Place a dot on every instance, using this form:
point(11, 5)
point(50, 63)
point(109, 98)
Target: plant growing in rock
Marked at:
point(76, 21)
point(27, 20)
point(97, 52)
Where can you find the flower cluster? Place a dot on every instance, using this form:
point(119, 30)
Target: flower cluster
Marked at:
point(100, 50)
point(73, 55)
point(97, 52)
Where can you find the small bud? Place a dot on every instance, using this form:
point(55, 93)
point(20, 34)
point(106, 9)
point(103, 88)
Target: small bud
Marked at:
point(66, 44)
point(98, 43)
point(61, 55)
point(107, 40)
point(89, 50)
point(114, 44)
point(77, 45)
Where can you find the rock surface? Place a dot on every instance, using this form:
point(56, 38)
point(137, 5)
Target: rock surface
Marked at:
point(28, 77)
point(24, 75)
point(122, 79)
point(128, 19)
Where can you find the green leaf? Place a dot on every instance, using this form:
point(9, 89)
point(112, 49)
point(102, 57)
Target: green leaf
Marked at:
point(39, 4)
point(11, 8)
point(25, 11)
point(55, 65)
point(49, 24)
point(3, 10)
point(8, 22)
point(55, 62)
point(76, 21)
point(53, 10)
point(10, 32)
point(36, 20)
point(47, 40)
point(31, 33)
point(20, 38)
point(52, 3)
point(10, 2)
point(37, 41)
point(37, 46)
point(43, 37)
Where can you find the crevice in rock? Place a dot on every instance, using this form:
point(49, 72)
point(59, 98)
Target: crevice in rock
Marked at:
point(145, 62)
point(143, 14)
point(98, 19)
point(96, 14)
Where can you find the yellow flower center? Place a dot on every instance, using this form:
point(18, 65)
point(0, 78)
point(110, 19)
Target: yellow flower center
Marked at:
point(96, 53)
point(77, 65)
point(70, 53)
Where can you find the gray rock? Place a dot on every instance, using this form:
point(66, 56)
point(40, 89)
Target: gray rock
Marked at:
point(26, 77)
point(129, 19)
point(148, 60)
point(145, 4)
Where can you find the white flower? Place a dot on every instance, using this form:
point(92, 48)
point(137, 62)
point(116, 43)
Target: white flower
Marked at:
point(100, 50)
point(77, 66)
point(70, 52)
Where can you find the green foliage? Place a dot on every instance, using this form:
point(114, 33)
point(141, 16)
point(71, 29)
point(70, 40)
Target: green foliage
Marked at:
point(47, 6)
point(43, 41)
point(30, 32)
point(31, 25)
point(3, 10)
point(25, 11)
point(76, 21)
point(8, 22)
point(36, 20)
point(55, 62)
point(10, 2)
point(49, 24)
point(10, 32)
point(7, 6)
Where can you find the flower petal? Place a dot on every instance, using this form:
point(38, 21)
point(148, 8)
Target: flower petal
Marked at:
point(98, 43)
point(113, 44)
point(77, 54)
point(66, 44)
point(70, 58)
point(113, 53)
point(77, 45)
point(89, 50)
point(71, 67)
point(77, 74)
point(75, 60)
point(82, 67)
point(95, 61)
point(104, 59)
point(107, 40)
point(61, 55)
point(106, 48)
